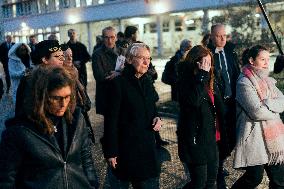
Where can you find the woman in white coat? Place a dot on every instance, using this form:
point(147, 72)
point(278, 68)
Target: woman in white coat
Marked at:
point(19, 61)
point(260, 131)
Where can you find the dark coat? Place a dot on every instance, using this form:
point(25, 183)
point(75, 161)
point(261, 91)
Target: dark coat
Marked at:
point(31, 159)
point(4, 54)
point(230, 104)
point(233, 67)
point(80, 53)
point(128, 129)
point(197, 130)
point(103, 62)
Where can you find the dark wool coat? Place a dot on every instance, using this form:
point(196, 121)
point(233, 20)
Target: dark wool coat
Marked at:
point(103, 62)
point(128, 129)
point(234, 72)
point(197, 130)
point(31, 159)
point(80, 53)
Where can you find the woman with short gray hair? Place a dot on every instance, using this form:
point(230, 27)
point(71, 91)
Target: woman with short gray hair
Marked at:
point(130, 123)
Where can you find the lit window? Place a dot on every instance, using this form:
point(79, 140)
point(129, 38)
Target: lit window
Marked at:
point(166, 26)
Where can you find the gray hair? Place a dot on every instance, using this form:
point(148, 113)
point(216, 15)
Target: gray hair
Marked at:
point(133, 49)
point(109, 28)
point(218, 25)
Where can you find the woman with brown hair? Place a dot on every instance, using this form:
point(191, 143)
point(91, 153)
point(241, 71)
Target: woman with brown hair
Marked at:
point(49, 148)
point(201, 112)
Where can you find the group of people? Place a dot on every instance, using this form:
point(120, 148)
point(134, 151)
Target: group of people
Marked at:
point(47, 144)
point(227, 105)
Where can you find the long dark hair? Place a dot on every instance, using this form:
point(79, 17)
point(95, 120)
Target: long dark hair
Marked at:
point(45, 80)
point(189, 67)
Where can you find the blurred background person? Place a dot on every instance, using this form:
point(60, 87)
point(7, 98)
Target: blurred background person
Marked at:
point(32, 42)
point(120, 39)
point(99, 42)
point(52, 36)
point(80, 56)
point(51, 144)
point(205, 40)
point(4, 49)
point(260, 131)
point(19, 62)
point(169, 75)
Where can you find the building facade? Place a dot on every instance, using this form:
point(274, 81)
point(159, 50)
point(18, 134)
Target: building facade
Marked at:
point(162, 23)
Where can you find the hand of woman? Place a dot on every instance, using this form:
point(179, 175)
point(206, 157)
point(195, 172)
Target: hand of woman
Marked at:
point(157, 123)
point(112, 162)
point(205, 64)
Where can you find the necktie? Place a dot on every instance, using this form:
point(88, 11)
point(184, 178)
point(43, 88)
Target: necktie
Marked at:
point(225, 75)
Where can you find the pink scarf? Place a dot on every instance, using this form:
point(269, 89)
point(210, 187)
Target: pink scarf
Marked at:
point(273, 130)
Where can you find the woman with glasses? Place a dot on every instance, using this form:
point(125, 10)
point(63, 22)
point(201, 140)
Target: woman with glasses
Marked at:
point(49, 148)
point(47, 52)
point(130, 123)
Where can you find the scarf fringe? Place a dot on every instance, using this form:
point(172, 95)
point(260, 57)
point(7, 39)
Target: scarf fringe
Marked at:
point(276, 158)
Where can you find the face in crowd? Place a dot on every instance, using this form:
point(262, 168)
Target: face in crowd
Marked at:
point(59, 100)
point(219, 36)
point(261, 61)
point(109, 37)
point(55, 58)
point(68, 55)
point(72, 34)
point(139, 58)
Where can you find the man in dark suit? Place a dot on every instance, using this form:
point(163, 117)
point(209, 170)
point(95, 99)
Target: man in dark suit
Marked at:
point(226, 71)
point(4, 49)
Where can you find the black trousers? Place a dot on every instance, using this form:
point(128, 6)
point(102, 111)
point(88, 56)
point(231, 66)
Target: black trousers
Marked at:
point(203, 176)
point(1, 88)
point(254, 174)
point(7, 76)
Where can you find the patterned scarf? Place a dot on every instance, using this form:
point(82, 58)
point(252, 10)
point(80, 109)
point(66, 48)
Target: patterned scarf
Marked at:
point(273, 130)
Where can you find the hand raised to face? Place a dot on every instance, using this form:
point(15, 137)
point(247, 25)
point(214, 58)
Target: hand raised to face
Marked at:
point(205, 63)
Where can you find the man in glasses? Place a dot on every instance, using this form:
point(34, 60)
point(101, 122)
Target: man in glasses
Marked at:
point(104, 61)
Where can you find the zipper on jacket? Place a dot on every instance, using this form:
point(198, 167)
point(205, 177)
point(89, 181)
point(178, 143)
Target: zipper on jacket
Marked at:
point(65, 175)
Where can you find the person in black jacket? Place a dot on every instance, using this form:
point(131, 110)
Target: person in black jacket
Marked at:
point(4, 49)
point(130, 123)
point(200, 120)
point(49, 148)
point(1, 87)
point(80, 56)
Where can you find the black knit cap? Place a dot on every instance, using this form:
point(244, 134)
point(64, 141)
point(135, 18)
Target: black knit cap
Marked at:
point(44, 49)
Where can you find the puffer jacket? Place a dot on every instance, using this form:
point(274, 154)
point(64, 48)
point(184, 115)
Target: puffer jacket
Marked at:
point(31, 159)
